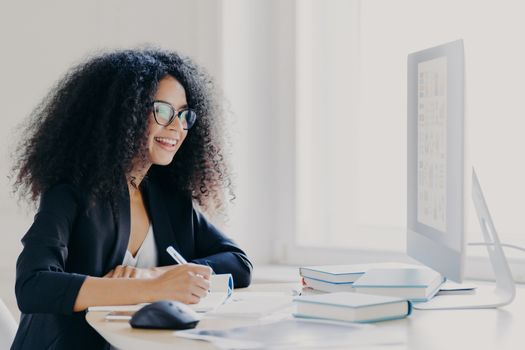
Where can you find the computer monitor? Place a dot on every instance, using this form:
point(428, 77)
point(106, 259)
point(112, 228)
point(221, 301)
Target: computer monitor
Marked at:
point(435, 202)
point(435, 173)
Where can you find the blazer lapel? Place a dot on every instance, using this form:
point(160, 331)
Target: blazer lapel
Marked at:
point(162, 228)
point(123, 230)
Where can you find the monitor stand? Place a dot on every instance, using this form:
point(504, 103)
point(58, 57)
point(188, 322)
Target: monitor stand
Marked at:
point(484, 297)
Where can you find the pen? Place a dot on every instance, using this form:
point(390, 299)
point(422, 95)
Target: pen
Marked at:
point(176, 256)
point(179, 258)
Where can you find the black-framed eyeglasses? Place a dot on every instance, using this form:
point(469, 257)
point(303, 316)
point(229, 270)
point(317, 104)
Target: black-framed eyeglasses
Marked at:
point(164, 114)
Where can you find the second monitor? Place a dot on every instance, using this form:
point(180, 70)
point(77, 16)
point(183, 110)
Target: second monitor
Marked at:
point(435, 159)
point(435, 187)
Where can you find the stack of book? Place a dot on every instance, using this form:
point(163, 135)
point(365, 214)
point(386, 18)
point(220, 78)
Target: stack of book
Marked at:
point(410, 282)
point(351, 307)
point(331, 278)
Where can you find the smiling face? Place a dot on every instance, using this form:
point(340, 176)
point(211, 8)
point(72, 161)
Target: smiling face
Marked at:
point(164, 141)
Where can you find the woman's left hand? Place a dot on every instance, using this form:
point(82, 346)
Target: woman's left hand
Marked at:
point(124, 271)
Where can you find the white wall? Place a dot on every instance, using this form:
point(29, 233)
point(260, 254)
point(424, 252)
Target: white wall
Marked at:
point(258, 58)
point(376, 142)
point(494, 56)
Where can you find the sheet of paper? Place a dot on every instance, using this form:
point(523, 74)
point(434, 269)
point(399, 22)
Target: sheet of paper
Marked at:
point(253, 304)
point(453, 286)
point(109, 308)
point(212, 301)
point(450, 287)
point(220, 290)
point(296, 334)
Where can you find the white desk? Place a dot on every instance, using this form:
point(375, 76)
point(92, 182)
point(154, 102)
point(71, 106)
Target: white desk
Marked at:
point(492, 329)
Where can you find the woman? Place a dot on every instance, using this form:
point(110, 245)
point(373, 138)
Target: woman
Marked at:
point(117, 154)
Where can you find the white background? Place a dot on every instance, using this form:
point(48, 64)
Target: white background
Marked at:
point(368, 211)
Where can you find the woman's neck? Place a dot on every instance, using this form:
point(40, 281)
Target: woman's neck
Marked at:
point(136, 176)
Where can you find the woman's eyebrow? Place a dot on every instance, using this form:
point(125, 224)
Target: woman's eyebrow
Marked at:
point(184, 106)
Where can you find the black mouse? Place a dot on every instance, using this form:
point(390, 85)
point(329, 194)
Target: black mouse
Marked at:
point(165, 314)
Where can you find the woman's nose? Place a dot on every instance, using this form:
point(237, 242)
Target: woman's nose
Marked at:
point(176, 124)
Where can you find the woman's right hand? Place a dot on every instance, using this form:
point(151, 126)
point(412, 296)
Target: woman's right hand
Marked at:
point(187, 283)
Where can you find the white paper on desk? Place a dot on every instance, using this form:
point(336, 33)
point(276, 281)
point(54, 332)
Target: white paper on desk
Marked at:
point(296, 334)
point(451, 287)
point(220, 290)
point(253, 304)
point(109, 308)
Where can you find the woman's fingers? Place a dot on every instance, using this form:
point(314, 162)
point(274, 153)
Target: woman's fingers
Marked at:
point(127, 271)
point(118, 271)
point(187, 283)
point(136, 273)
point(121, 271)
point(198, 292)
point(201, 282)
point(192, 299)
point(198, 286)
point(202, 270)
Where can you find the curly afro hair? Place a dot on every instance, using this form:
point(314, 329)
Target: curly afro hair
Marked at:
point(92, 125)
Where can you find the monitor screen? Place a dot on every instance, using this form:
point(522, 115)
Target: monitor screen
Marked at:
point(435, 234)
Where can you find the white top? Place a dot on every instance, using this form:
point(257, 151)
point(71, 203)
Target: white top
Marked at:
point(146, 256)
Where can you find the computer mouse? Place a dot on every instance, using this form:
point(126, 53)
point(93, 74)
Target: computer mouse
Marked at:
point(165, 314)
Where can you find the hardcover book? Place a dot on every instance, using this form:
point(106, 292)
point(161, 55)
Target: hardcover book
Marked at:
point(415, 284)
point(351, 307)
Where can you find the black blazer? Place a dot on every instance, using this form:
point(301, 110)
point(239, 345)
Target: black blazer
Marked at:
point(71, 239)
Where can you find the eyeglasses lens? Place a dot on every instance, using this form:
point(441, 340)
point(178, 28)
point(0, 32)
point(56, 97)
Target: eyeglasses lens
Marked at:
point(163, 113)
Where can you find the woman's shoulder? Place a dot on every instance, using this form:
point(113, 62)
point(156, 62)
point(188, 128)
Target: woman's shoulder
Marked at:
point(63, 188)
point(62, 194)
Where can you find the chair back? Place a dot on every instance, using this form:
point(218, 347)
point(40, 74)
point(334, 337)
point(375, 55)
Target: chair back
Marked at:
point(8, 327)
